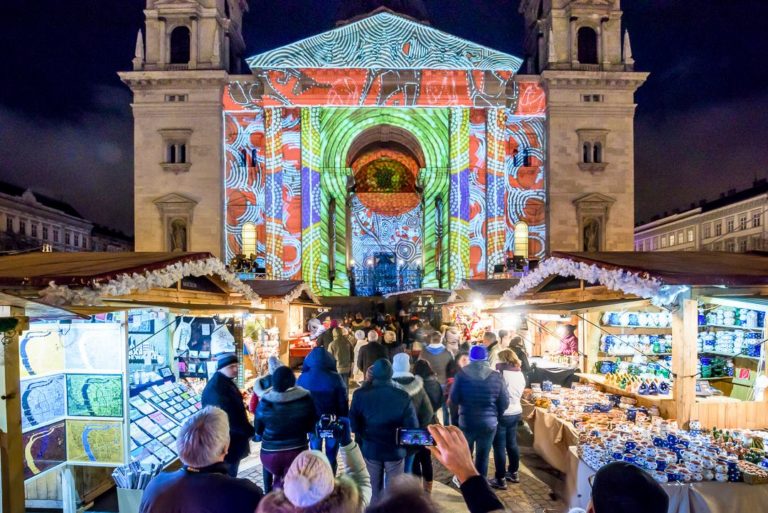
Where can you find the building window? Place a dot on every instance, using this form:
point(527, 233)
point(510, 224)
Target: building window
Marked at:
point(729, 225)
point(77, 240)
point(743, 222)
point(718, 229)
point(756, 219)
point(175, 97)
point(655, 243)
point(55, 235)
point(597, 153)
point(707, 231)
point(175, 142)
point(592, 144)
point(180, 45)
point(663, 242)
point(592, 98)
point(248, 234)
point(521, 239)
point(34, 230)
point(679, 237)
point(587, 49)
point(67, 238)
point(45, 233)
point(176, 154)
point(586, 156)
point(22, 227)
point(672, 239)
point(690, 234)
point(743, 245)
point(730, 246)
point(9, 224)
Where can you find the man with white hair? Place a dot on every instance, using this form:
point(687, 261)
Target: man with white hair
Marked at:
point(372, 351)
point(203, 483)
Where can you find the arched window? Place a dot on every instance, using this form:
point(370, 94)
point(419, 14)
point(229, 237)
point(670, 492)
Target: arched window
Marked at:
point(597, 153)
point(586, 156)
point(180, 45)
point(521, 239)
point(587, 41)
point(248, 234)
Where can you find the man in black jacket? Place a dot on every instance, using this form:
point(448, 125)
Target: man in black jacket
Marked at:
point(203, 483)
point(371, 352)
point(222, 392)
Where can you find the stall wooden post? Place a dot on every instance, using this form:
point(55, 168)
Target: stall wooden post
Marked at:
point(12, 458)
point(684, 358)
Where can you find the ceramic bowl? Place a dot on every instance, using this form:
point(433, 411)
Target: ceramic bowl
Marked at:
point(722, 478)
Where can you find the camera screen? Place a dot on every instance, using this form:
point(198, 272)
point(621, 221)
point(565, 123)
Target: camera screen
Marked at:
point(325, 433)
point(414, 437)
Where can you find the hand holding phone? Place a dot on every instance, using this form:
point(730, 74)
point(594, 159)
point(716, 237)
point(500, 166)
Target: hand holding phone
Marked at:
point(414, 437)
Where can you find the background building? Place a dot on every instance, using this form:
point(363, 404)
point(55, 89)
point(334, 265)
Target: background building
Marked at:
point(384, 145)
point(29, 221)
point(734, 222)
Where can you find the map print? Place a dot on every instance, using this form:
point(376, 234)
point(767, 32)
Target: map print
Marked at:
point(95, 441)
point(42, 401)
point(41, 351)
point(94, 395)
point(44, 449)
point(93, 347)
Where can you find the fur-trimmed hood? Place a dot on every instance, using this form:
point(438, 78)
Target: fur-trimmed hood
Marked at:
point(289, 395)
point(412, 385)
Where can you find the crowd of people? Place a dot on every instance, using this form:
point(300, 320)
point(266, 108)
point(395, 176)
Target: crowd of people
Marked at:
point(407, 377)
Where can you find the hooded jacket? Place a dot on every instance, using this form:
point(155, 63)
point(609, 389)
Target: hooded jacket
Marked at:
point(341, 350)
point(319, 376)
point(369, 354)
point(208, 489)
point(283, 419)
point(439, 359)
point(414, 387)
point(481, 395)
point(222, 392)
point(378, 409)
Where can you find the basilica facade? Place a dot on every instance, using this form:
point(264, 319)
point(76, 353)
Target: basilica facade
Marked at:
point(384, 144)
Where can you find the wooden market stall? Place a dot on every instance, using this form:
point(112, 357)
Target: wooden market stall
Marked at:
point(95, 342)
point(671, 314)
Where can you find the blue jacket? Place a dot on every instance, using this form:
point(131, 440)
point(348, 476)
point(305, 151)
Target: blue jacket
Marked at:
point(319, 376)
point(378, 409)
point(208, 489)
point(481, 395)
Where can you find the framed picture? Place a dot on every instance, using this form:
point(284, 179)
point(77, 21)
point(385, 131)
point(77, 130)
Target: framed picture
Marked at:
point(145, 327)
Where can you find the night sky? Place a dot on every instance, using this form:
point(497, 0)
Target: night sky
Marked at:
point(66, 127)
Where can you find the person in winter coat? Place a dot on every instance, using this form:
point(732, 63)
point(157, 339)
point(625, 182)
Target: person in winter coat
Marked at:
point(482, 397)
point(261, 386)
point(378, 409)
point(392, 346)
point(360, 341)
point(371, 352)
point(285, 416)
point(462, 360)
point(440, 360)
point(342, 350)
point(491, 343)
point(452, 341)
point(310, 485)
point(203, 483)
point(329, 393)
point(518, 347)
point(423, 462)
point(505, 441)
point(326, 338)
point(221, 391)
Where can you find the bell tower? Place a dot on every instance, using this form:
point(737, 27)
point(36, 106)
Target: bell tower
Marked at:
point(183, 59)
point(585, 63)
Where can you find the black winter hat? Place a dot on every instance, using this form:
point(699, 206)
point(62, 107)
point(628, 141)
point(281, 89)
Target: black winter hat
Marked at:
point(382, 369)
point(225, 360)
point(622, 487)
point(283, 379)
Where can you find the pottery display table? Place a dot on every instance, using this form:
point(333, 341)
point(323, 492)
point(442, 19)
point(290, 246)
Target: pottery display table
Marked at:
point(701, 497)
point(552, 438)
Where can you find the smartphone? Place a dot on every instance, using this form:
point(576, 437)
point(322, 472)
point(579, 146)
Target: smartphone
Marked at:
point(414, 437)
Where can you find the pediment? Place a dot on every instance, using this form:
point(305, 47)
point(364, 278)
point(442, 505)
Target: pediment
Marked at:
point(174, 199)
point(594, 198)
point(385, 41)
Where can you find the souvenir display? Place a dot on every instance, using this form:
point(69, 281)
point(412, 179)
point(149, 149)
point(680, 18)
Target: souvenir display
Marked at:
point(95, 441)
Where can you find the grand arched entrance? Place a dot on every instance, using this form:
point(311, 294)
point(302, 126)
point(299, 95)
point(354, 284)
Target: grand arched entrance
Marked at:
point(385, 213)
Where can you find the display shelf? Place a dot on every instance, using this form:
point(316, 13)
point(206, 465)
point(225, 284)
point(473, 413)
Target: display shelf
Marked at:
point(715, 378)
point(730, 355)
point(724, 327)
point(603, 353)
point(650, 330)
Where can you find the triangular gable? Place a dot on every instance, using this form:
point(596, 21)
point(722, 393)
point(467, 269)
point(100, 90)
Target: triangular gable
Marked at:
point(385, 41)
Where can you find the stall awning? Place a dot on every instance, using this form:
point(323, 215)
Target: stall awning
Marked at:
point(564, 308)
point(289, 291)
point(192, 307)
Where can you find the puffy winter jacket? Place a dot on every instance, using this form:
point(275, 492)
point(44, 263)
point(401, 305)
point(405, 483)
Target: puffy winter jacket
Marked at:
point(393, 349)
point(440, 359)
point(378, 409)
point(414, 386)
point(283, 419)
point(436, 395)
point(481, 395)
point(319, 376)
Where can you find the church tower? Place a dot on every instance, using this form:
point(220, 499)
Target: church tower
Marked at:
point(585, 63)
point(182, 63)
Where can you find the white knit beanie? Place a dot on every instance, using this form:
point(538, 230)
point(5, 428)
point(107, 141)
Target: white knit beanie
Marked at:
point(401, 365)
point(309, 479)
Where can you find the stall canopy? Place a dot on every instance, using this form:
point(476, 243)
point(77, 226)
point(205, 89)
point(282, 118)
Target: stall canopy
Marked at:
point(288, 291)
point(87, 278)
point(564, 308)
point(658, 275)
point(488, 289)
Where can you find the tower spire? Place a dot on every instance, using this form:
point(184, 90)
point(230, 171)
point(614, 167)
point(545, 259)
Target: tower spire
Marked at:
point(138, 58)
point(627, 51)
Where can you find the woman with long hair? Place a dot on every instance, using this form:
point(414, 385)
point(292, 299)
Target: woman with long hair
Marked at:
point(505, 440)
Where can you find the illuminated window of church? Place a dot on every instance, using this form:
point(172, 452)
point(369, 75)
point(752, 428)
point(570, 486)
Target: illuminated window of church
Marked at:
point(249, 239)
point(521, 239)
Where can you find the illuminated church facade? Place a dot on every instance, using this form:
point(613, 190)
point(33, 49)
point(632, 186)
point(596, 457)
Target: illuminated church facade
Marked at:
point(384, 143)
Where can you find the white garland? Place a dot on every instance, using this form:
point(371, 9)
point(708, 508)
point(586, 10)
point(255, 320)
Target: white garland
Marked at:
point(295, 293)
point(126, 284)
point(613, 279)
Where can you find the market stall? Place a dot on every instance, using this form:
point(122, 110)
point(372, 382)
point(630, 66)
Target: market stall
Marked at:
point(97, 376)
